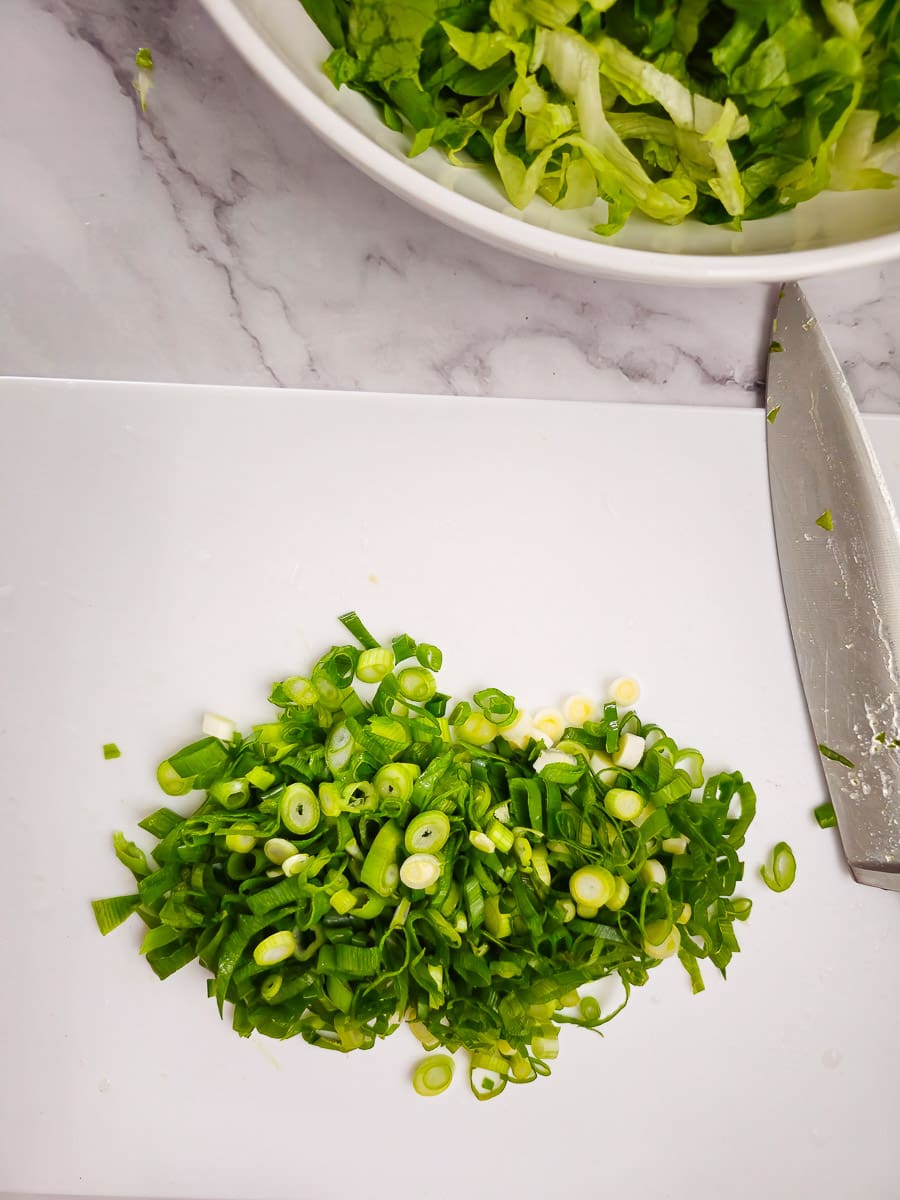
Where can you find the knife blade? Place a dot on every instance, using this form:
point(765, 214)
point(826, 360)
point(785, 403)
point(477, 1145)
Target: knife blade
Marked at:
point(841, 583)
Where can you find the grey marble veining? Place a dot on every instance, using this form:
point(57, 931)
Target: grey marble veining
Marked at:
point(215, 239)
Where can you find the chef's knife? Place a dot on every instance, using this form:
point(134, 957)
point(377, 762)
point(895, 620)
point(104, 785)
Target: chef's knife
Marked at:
point(839, 549)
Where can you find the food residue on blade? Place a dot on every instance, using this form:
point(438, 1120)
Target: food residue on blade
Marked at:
point(826, 521)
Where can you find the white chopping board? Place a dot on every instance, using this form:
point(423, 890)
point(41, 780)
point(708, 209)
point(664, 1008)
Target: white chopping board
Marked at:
point(166, 550)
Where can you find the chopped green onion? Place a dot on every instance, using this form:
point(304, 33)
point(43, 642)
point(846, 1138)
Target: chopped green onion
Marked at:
point(825, 521)
point(110, 913)
point(355, 627)
point(661, 939)
point(496, 921)
point(396, 781)
point(591, 886)
point(294, 863)
point(488, 1073)
point(433, 1075)
point(429, 656)
point(653, 873)
point(674, 845)
point(373, 665)
point(502, 837)
point(772, 414)
point(130, 856)
point(217, 726)
point(629, 752)
point(274, 949)
point(775, 347)
point(578, 709)
point(178, 774)
point(111, 750)
point(240, 842)
point(619, 897)
point(546, 1044)
point(526, 871)
point(270, 987)
point(427, 831)
point(230, 793)
point(260, 777)
point(301, 691)
point(481, 841)
point(144, 62)
point(497, 706)
point(691, 762)
point(358, 797)
point(522, 849)
point(343, 901)
point(623, 804)
point(833, 755)
point(329, 695)
point(299, 809)
point(338, 747)
point(518, 732)
point(460, 713)
point(424, 1035)
point(521, 1069)
point(171, 782)
point(558, 762)
point(539, 864)
point(550, 722)
point(477, 729)
point(825, 815)
point(417, 684)
point(780, 871)
point(625, 691)
point(420, 870)
point(242, 865)
point(590, 1009)
point(278, 850)
point(380, 870)
point(370, 906)
point(331, 799)
point(161, 822)
point(404, 647)
point(604, 768)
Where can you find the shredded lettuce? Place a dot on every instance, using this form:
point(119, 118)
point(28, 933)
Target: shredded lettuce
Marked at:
point(724, 111)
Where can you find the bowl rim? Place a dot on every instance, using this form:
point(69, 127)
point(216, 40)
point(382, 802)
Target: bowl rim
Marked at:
point(552, 248)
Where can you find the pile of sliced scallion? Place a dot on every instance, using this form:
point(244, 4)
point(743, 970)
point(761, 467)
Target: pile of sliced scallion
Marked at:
point(375, 857)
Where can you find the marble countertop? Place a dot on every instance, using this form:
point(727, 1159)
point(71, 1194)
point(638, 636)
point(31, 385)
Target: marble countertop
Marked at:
point(215, 239)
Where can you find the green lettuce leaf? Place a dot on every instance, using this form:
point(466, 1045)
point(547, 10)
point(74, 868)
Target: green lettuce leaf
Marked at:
point(673, 108)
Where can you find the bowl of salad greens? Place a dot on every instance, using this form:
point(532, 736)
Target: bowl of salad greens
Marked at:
point(670, 140)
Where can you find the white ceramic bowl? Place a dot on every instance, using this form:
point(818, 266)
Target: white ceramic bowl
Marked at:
point(830, 233)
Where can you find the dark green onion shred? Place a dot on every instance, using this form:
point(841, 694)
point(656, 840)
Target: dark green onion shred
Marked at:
point(826, 817)
point(833, 755)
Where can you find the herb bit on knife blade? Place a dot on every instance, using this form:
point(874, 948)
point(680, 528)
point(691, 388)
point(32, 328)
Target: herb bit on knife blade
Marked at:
point(379, 856)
